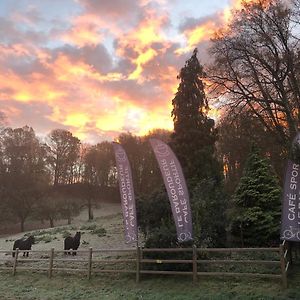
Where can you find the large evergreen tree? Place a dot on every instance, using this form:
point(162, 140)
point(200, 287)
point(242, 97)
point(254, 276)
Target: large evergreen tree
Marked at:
point(194, 135)
point(256, 217)
point(193, 141)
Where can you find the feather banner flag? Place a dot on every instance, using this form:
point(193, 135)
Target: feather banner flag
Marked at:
point(290, 217)
point(126, 193)
point(176, 188)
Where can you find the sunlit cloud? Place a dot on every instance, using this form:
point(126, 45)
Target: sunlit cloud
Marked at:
point(140, 42)
point(205, 28)
point(85, 30)
point(141, 60)
point(101, 69)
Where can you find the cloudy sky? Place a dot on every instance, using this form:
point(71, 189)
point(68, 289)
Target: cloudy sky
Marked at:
point(99, 67)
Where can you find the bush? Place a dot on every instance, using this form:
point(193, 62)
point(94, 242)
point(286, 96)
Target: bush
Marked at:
point(88, 227)
point(99, 231)
point(47, 238)
point(66, 234)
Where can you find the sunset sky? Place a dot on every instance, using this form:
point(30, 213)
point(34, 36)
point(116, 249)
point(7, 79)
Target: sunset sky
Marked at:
point(99, 67)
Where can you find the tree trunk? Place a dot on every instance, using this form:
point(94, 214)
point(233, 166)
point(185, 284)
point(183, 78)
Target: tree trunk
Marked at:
point(242, 235)
point(90, 210)
point(51, 222)
point(69, 219)
point(22, 225)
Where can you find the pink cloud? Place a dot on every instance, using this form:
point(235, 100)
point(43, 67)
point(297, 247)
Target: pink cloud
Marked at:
point(112, 67)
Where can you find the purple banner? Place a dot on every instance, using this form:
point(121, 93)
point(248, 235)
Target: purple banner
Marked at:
point(176, 187)
point(127, 194)
point(290, 218)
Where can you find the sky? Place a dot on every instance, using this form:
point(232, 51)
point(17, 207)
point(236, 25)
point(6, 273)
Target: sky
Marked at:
point(99, 67)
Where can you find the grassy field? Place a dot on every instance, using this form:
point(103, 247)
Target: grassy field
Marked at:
point(37, 286)
point(106, 231)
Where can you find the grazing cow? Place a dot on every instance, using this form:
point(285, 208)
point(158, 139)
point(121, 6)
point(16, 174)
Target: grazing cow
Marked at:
point(23, 244)
point(72, 243)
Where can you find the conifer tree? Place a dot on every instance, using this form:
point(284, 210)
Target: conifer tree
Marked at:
point(256, 216)
point(194, 141)
point(194, 135)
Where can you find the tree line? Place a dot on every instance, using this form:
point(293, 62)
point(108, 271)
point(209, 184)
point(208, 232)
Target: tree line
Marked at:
point(234, 167)
point(55, 177)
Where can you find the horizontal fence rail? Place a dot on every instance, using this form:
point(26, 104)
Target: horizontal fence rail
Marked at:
point(140, 261)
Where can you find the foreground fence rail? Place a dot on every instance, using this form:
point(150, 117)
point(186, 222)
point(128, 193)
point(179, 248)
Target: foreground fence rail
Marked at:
point(142, 261)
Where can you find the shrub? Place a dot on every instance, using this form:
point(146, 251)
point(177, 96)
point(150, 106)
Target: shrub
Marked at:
point(88, 227)
point(99, 231)
point(66, 234)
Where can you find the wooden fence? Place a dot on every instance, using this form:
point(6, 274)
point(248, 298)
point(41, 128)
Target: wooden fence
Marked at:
point(137, 261)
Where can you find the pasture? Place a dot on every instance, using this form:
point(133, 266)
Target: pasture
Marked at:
point(106, 231)
point(34, 286)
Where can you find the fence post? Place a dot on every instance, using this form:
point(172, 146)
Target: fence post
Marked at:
point(138, 260)
point(15, 262)
point(282, 265)
point(290, 250)
point(194, 263)
point(51, 263)
point(90, 263)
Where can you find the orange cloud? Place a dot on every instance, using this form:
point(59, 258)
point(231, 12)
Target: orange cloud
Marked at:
point(207, 29)
point(85, 30)
point(200, 33)
point(15, 50)
point(27, 91)
point(141, 60)
point(127, 86)
point(237, 5)
point(141, 40)
point(135, 119)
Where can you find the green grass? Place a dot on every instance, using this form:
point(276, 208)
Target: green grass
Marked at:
point(94, 229)
point(99, 232)
point(29, 286)
point(50, 231)
point(49, 235)
point(89, 226)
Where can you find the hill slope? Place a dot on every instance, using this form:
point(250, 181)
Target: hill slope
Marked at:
point(105, 231)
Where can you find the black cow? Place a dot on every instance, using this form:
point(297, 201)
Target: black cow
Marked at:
point(23, 244)
point(72, 243)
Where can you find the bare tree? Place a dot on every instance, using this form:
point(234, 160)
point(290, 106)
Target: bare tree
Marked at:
point(24, 173)
point(257, 66)
point(98, 165)
point(63, 155)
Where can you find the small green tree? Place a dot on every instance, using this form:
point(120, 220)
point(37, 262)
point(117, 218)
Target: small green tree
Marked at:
point(256, 216)
point(209, 205)
point(153, 211)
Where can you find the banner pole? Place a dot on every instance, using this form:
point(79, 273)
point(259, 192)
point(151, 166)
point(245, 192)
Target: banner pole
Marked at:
point(176, 187)
point(126, 193)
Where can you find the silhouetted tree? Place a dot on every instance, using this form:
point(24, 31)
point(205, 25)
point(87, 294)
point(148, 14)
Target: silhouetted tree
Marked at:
point(133, 147)
point(193, 140)
point(24, 176)
point(236, 136)
point(63, 155)
point(98, 167)
point(194, 135)
point(257, 65)
point(150, 173)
